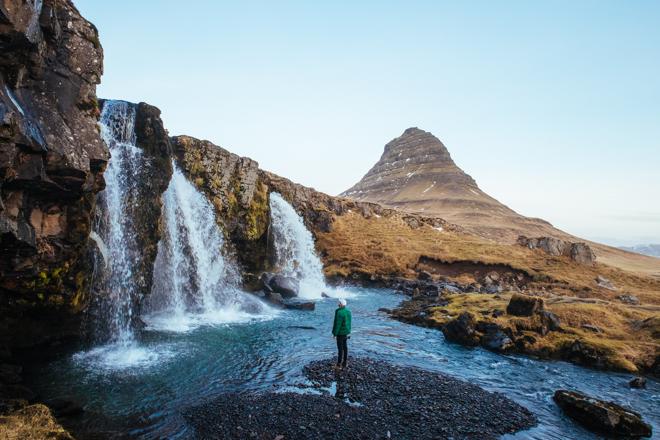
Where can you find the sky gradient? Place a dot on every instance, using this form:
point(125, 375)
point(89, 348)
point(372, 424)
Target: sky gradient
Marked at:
point(553, 108)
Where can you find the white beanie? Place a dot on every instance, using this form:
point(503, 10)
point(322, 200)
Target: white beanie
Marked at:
point(342, 301)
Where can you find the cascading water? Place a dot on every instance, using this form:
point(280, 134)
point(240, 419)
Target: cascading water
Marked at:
point(295, 255)
point(194, 280)
point(113, 230)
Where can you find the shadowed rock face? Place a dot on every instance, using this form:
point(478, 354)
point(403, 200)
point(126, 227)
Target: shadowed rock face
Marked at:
point(416, 173)
point(51, 159)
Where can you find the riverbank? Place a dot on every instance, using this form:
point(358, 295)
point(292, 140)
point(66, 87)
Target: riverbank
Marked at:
point(371, 399)
point(594, 333)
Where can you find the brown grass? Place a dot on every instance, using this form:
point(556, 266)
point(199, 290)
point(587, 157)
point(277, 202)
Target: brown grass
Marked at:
point(629, 337)
point(388, 246)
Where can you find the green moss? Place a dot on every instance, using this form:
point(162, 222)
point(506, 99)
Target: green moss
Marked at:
point(256, 217)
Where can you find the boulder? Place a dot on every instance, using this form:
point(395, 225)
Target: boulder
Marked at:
point(274, 298)
point(637, 382)
point(286, 286)
point(524, 305)
point(579, 252)
point(628, 299)
point(462, 330)
point(603, 282)
point(309, 305)
point(424, 275)
point(601, 416)
point(549, 321)
point(494, 338)
point(582, 253)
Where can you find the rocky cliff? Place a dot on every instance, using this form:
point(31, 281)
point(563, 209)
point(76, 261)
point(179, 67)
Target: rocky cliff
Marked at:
point(51, 163)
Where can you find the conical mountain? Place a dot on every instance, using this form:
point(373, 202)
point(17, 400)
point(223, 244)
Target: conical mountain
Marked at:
point(416, 173)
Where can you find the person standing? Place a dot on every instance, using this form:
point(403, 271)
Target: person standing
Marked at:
point(341, 330)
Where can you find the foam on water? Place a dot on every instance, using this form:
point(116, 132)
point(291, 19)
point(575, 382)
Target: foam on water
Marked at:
point(132, 357)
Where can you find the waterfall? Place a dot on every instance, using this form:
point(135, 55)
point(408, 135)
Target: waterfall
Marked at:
point(293, 244)
point(195, 280)
point(115, 285)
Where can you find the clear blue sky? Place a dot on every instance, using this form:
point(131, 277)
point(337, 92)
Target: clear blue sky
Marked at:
point(553, 107)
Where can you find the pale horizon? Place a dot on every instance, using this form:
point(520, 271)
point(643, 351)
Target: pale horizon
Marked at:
point(552, 109)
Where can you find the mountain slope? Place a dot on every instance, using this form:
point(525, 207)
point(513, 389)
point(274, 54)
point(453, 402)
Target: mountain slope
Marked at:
point(416, 173)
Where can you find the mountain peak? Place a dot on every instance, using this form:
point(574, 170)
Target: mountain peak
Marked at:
point(416, 173)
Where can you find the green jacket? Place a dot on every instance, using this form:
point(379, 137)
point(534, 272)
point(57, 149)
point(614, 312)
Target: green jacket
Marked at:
point(342, 324)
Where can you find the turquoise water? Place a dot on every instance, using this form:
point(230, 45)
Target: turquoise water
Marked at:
point(141, 389)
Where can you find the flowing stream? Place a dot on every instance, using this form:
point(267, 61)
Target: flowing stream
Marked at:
point(204, 337)
point(265, 355)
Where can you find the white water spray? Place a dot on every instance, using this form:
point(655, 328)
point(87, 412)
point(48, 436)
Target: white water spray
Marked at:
point(114, 228)
point(295, 254)
point(194, 280)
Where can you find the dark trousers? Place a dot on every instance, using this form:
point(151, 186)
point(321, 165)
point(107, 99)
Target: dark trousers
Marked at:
point(342, 348)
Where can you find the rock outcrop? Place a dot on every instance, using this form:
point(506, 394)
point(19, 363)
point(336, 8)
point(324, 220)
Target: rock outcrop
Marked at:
point(51, 164)
point(579, 252)
point(603, 417)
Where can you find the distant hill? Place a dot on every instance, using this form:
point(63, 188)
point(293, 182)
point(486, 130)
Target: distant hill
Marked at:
point(652, 250)
point(417, 174)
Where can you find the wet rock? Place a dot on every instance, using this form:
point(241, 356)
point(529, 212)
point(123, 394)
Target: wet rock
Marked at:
point(385, 310)
point(274, 298)
point(286, 286)
point(601, 416)
point(637, 382)
point(494, 338)
point(462, 330)
point(581, 352)
point(524, 305)
point(372, 398)
point(324, 295)
point(310, 305)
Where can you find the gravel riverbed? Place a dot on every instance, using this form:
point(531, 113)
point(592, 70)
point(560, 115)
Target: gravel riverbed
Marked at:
point(369, 400)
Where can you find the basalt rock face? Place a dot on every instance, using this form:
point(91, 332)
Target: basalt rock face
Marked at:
point(417, 174)
point(51, 164)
